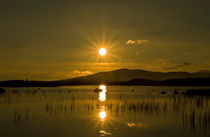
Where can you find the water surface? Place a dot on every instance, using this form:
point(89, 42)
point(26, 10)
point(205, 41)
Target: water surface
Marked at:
point(118, 111)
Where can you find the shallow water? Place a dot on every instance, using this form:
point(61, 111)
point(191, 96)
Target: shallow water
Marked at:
point(123, 111)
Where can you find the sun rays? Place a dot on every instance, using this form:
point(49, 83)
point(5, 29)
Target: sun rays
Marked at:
point(102, 49)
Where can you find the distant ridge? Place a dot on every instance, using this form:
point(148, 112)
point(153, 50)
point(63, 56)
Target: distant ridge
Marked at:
point(126, 75)
point(123, 77)
point(203, 71)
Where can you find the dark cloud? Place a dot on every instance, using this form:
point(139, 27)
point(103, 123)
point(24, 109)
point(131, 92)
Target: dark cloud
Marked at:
point(187, 63)
point(178, 66)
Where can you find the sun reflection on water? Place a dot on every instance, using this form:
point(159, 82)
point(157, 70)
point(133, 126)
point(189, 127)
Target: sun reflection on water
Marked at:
point(102, 94)
point(102, 115)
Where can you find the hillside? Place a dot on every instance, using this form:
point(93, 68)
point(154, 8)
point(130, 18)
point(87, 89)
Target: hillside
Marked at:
point(121, 75)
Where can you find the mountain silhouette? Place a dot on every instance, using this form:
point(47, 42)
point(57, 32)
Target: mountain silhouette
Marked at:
point(126, 75)
point(123, 77)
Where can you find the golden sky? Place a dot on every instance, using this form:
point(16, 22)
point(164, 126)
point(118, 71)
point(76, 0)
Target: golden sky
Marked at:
point(53, 39)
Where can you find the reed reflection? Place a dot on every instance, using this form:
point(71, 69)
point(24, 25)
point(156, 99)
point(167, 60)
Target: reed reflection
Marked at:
point(102, 94)
point(190, 112)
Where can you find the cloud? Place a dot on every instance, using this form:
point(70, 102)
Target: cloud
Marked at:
point(187, 63)
point(162, 61)
point(81, 73)
point(136, 42)
point(179, 66)
point(141, 41)
point(131, 42)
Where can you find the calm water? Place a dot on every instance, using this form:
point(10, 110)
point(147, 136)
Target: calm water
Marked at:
point(117, 111)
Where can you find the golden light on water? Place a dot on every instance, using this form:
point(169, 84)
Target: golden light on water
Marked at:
point(102, 51)
point(102, 98)
point(102, 114)
point(102, 94)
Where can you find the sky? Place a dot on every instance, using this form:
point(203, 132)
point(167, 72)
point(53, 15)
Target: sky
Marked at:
point(59, 39)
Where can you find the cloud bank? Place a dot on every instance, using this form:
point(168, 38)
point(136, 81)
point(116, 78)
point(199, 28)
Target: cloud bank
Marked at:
point(136, 42)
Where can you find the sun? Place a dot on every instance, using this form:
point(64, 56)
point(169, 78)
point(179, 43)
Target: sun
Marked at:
point(102, 51)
